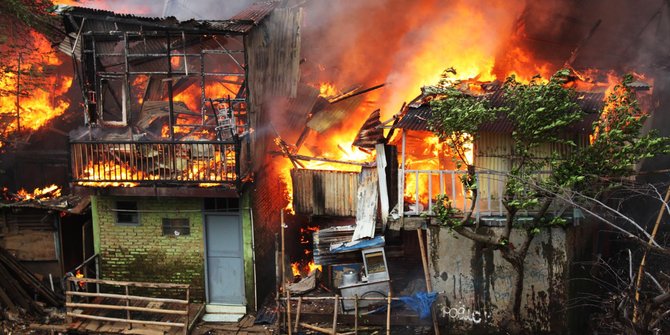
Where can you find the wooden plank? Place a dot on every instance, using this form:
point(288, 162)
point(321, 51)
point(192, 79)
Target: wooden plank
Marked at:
point(383, 188)
point(32, 245)
point(104, 318)
point(129, 283)
point(130, 308)
point(366, 204)
point(121, 296)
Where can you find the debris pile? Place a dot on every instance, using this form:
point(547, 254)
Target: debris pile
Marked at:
point(21, 292)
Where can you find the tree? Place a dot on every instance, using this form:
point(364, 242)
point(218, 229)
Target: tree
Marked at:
point(541, 113)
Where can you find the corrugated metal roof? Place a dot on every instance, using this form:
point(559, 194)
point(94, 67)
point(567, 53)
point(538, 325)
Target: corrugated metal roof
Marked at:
point(256, 12)
point(416, 118)
point(105, 21)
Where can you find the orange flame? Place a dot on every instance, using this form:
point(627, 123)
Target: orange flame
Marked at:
point(51, 191)
point(328, 90)
point(37, 105)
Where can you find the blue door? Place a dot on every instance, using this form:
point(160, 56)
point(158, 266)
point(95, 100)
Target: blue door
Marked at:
point(225, 266)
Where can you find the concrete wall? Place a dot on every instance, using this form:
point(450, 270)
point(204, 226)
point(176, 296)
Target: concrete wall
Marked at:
point(477, 283)
point(142, 253)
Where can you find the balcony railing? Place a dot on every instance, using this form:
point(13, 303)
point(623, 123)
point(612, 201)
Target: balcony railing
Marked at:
point(95, 163)
point(419, 198)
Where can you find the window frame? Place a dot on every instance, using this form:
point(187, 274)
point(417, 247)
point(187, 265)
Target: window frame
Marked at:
point(127, 211)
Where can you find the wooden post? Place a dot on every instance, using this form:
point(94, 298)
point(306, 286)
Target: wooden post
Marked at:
point(68, 301)
point(288, 311)
point(356, 314)
point(426, 273)
point(335, 308)
point(283, 273)
point(297, 315)
point(188, 298)
point(388, 314)
point(130, 325)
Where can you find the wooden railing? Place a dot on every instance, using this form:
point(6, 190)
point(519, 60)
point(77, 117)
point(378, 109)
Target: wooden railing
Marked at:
point(95, 162)
point(104, 302)
point(88, 269)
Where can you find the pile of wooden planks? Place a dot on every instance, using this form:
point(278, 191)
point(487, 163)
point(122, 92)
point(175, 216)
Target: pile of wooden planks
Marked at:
point(20, 290)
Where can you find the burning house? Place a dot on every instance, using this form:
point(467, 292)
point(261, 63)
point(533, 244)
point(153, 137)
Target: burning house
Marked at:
point(195, 135)
point(173, 133)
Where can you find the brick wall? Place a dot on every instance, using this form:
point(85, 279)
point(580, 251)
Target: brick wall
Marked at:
point(268, 195)
point(142, 253)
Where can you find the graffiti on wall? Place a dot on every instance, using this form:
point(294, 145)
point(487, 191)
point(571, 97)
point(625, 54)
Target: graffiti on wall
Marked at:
point(462, 313)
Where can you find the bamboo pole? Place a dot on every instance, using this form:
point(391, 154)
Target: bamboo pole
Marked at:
point(288, 312)
point(335, 308)
point(297, 314)
point(426, 273)
point(643, 262)
point(388, 314)
point(283, 273)
point(356, 314)
point(321, 330)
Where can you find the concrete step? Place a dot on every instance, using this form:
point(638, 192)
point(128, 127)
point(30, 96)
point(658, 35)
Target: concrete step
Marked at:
point(224, 313)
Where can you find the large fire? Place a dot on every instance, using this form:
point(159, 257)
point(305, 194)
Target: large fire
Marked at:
point(39, 91)
point(484, 45)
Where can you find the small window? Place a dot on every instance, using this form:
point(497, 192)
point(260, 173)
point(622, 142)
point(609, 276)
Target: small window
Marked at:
point(222, 204)
point(176, 227)
point(126, 213)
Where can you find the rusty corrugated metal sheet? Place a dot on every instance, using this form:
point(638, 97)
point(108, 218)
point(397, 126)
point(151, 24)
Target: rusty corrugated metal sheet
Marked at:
point(416, 118)
point(323, 192)
point(299, 107)
point(324, 238)
point(256, 12)
point(334, 113)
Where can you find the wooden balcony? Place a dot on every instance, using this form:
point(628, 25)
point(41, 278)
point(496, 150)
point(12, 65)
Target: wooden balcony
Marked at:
point(132, 163)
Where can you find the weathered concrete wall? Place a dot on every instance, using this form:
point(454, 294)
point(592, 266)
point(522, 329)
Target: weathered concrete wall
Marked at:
point(141, 253)
point(477, 283)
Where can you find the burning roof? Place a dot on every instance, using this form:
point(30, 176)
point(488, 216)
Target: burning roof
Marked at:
point(417, 115)
point(49, 198)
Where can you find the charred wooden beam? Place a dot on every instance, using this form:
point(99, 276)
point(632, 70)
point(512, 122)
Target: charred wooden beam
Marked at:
point(353, 94)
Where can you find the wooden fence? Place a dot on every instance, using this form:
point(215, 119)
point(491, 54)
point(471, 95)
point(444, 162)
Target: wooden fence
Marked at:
point(99, 303)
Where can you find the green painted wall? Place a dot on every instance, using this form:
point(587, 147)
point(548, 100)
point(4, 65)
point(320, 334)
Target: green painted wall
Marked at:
point(141, 253)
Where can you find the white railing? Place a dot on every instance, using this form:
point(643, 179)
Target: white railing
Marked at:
point(432, 183)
